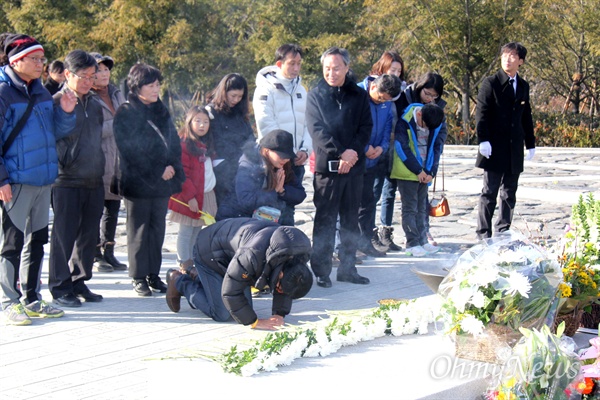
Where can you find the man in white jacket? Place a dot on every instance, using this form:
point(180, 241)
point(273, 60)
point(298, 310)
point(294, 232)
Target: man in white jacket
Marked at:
point(280, 103)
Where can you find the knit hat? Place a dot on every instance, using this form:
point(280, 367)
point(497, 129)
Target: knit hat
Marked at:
point(18, 46)
point(281, 142)
point(106, 60)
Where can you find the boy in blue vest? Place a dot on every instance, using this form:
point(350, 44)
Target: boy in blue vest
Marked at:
point(418, 146)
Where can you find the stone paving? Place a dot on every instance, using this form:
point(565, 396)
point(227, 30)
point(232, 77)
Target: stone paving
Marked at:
point(128, 347)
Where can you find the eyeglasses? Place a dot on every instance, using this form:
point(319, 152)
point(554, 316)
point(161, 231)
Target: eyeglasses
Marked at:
point(38, 60)
point(430, 95)
point(84, 78)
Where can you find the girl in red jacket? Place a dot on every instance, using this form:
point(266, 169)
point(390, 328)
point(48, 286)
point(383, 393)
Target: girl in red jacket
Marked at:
point(197, 194)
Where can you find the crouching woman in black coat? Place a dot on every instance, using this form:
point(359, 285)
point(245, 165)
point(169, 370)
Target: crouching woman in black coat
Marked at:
point(235, 254)
point(265, 178)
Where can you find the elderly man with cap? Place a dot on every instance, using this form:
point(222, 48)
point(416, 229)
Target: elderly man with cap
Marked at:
point(110, 98)
point(235, 254)
point(30, 124)
point(265, 179)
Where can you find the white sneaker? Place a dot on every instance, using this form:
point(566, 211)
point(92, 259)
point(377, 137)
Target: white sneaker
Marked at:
point(430, 249)
point(416, 251)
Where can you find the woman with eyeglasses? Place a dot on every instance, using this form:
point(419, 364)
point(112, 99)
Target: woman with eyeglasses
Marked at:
point(231, 128)
point(429, 88)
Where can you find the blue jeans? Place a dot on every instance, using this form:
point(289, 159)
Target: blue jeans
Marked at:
point(204, 293)
point(388, 196)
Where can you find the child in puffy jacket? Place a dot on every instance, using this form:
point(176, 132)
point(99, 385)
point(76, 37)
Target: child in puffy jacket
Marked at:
point(194, 207)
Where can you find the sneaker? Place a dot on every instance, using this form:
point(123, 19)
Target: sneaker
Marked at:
point(15, 315)
point(416, 251)
point(431, 249)
point(43, 309)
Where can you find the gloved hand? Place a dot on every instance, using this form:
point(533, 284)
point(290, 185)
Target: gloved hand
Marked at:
point(530, 154)
point(485, 149)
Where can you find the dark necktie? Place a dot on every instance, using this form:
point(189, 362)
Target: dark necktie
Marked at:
point(511, 81)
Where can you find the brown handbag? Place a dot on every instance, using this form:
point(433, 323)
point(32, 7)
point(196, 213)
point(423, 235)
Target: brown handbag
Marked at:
point(439, 206)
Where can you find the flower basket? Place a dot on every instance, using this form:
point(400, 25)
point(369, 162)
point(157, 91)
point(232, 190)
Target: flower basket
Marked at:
point(493, 346)
point(591, 319)
point(572, 322)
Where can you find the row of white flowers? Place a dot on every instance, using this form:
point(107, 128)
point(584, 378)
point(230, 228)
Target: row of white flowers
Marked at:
point(322, 339)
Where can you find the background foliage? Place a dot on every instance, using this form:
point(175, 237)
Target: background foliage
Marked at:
point(196, 42)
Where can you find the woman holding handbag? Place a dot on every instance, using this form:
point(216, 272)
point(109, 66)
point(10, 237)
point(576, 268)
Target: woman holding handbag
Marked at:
point(151, 171)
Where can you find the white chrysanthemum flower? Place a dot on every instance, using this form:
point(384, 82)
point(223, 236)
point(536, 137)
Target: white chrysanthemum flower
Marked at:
point(312, 351)
point(471, 325)
point(461, 296)
point(478, 299)
point(251, 368)
point(482, 275)
point(517, 282)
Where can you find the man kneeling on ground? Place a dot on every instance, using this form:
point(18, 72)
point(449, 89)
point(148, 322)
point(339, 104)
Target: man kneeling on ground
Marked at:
point(235, 254)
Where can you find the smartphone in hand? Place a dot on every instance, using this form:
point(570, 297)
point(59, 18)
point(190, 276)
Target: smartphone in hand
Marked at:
point(334, 165)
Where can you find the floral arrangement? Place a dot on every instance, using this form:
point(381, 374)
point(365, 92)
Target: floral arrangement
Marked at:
point(579, 257)
point(283, 347)
point(587, 384)
point(505, 281)
point(542, 365)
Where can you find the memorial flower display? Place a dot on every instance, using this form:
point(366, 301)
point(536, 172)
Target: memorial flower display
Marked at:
point(542, 366)
point(319, 340)
point(504, 281)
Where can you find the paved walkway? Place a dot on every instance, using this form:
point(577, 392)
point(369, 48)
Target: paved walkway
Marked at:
point(129, 347)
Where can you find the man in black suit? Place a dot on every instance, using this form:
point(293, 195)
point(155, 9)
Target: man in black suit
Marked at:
point(504, 124)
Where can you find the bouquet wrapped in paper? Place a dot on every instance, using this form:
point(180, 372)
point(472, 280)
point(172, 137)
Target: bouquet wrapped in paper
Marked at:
point(499, 286)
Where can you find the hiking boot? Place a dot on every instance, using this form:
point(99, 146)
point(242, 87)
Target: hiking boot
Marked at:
point(377, 243)
point(42, 309)
point(140, 286)
point(416, 251)
point(386, 238)
point(156, 284)
point(100, 264)
point(15, 315)
point(109, 257)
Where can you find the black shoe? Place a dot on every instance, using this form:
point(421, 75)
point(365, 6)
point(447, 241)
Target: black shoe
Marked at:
point(88, 296)
point(156, 284)
point(324, 281)
point(369, 250)
point(109, 257)
point(140, 286)
point(68, 300)
point(353, 278)
point(100, 265)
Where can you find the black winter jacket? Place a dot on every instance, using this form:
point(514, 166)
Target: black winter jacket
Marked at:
point(250, 252)
point(80, 157)
point(338, 118)
point(143, 155)
point(250, 192)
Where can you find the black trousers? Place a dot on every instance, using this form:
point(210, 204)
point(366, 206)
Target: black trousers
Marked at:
point(335, 194)
point(146, 225)
point(108, 223)
point(74, 237)
point(493, 183)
